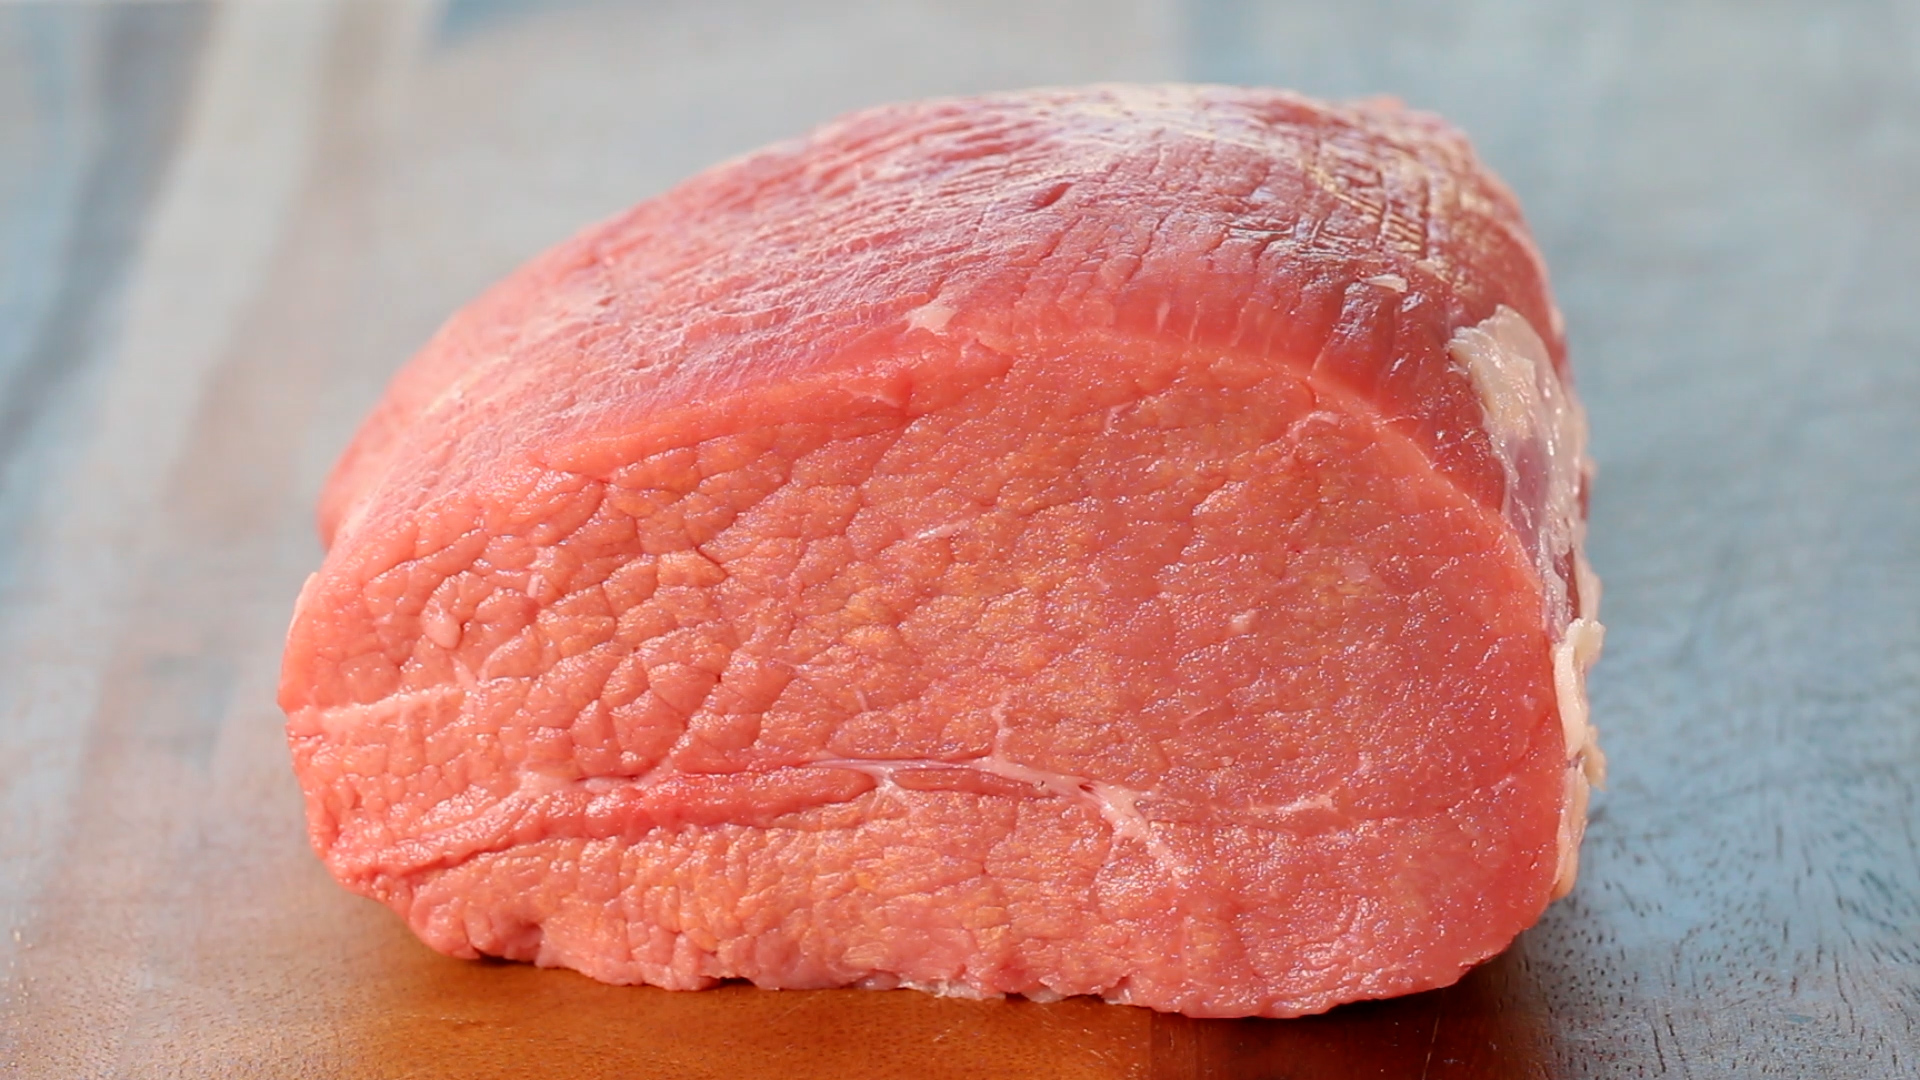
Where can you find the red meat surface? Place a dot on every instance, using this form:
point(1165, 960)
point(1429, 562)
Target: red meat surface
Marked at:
point(1116, 541)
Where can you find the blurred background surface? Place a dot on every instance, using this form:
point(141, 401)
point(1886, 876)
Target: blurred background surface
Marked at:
point(222, 226)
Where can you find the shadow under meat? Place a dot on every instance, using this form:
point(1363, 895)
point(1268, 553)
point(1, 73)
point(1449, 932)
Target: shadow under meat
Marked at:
point(436, 1016)
point(1492, 1023)
point(488, 1019)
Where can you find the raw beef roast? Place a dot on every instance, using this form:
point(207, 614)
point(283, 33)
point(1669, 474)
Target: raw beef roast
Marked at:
point(1117, 541)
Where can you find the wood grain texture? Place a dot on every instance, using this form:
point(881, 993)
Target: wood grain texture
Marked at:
point(221, 227)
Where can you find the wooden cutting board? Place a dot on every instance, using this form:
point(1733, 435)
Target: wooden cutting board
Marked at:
point(221, 227)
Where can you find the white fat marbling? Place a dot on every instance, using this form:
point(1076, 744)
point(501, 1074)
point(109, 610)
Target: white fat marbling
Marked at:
point(1539, 435)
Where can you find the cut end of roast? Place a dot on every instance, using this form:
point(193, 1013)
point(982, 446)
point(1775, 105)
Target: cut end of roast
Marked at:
point(1120, 541)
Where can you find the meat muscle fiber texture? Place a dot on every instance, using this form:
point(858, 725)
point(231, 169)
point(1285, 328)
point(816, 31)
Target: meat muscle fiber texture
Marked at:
point(1117, 541)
